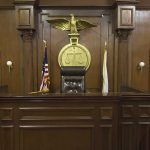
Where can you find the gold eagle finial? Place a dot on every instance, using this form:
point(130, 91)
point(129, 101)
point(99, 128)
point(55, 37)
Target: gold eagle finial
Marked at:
point(73, 25)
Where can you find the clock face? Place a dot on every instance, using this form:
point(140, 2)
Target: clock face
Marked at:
point(74, 55)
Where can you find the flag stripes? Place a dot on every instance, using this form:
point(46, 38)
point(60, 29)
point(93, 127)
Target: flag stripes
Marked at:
point(45, 72)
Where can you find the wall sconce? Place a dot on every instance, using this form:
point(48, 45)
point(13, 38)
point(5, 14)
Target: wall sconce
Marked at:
point(141, 65)
point(9, 64)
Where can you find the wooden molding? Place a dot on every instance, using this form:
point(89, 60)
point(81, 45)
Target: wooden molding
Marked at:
point(125, 17)
point(126, 2)
point(25, 17)
point(125, 14)
point(29, 2)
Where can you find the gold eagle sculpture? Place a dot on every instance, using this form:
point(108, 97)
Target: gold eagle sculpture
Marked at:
point(73, 25)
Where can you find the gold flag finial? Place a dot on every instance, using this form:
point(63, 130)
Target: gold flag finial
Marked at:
point(45, 43)
point(105, 44)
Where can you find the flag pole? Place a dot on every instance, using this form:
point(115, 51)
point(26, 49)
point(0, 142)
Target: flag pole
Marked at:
point(105, 74)
point(45, 90)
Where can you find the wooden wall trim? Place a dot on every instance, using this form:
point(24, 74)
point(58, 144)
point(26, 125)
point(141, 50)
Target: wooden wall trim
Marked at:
point(7, 7)
point(142, 7)
point(84, 11)
point(76, 3)
point(88, 3)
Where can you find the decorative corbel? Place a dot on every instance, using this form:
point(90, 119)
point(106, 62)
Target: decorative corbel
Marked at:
point(123, 34)
point(27, 34)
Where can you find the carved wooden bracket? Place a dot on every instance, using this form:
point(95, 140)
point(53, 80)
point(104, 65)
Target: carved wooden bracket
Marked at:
point(123, 34)
point(27, 34)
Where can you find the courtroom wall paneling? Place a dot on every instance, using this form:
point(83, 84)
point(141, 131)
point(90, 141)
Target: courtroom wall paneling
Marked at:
point(142, 3)
point(131, 52)
point(83, 122)
point(0, 68)
point(7, 137)
point(55, 138)
point(140, 43)
point(122, 63)
point(10, 49)
point(10, 3)
point(134, 123)
point(7, 128)
point(144, 126)
point(128, 127)
point(133, 48)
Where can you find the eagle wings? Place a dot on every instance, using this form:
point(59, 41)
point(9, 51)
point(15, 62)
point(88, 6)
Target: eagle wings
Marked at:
point(73, 25)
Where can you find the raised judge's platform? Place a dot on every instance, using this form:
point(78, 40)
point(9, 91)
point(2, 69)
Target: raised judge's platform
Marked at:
point(75, 122)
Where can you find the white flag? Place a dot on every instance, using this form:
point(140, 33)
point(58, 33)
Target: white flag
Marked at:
point(105, 74)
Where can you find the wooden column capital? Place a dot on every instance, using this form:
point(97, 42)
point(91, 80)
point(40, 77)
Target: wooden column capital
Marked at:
point(27, 34)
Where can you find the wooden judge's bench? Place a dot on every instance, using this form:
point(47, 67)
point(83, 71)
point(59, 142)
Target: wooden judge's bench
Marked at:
point(75, 122)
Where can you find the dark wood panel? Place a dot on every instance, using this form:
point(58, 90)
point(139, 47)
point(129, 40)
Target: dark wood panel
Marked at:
point(79, 121)
point(56, 113)
point(6, 113)
point(106, 138)
point(27, 56)
point(143, 136)
point(123, 60)
point(56, 138)
point(106, 113)
point(144, 3)
point(127, 111)
point(140, 51)
point(61, 122)
point(128, 136)
point(135, 123)
point(10, 50)
point(76, 3)
point(7, 137)
point(6, 2)
point(144, 111)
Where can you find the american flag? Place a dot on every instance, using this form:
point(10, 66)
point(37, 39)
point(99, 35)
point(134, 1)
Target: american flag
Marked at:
point(45, 73)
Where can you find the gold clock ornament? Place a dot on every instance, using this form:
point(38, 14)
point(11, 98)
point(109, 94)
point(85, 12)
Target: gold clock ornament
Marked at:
point(73, 54)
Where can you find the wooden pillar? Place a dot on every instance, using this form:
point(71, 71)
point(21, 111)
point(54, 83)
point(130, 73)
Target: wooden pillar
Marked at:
point(124, 24)
point(25, 17)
